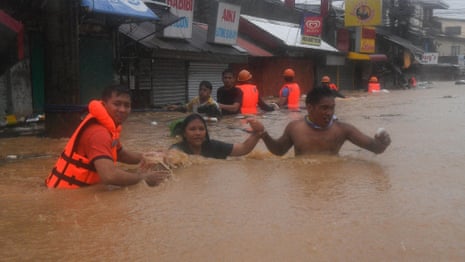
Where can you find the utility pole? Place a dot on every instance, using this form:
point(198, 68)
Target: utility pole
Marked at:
point(61, 67)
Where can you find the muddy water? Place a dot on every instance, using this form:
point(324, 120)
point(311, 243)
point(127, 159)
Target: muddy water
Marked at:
point(406, 204)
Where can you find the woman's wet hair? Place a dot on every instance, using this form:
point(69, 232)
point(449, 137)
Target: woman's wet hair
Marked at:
point(317, 93)
point(191, 118)
point(118, 89)
point(206, 84)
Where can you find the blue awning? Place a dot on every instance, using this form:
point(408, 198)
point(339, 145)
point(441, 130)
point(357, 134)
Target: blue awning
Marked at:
point(125, 8)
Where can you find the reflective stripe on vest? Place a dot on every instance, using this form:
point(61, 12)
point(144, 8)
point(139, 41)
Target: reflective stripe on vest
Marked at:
point(73, 170)
point(249, 98)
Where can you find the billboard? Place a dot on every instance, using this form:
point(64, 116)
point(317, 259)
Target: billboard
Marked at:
point(224, 29)
point(429, 58)
point(182, 28)
point(311, 29)
point(363, 12)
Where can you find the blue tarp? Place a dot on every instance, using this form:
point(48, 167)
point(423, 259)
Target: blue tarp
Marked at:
point(125, 8)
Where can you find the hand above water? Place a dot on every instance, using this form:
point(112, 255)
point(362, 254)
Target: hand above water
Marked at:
point(383, 137)
point(257, 126)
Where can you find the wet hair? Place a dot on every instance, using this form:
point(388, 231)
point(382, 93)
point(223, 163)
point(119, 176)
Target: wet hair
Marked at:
point(118, 89)
point(206, 84)
point(228, 71)
point(191, 118)
point(315, 95)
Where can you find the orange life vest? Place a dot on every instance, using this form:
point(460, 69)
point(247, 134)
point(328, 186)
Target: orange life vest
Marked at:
point(293, 98)
point(73, 170)
point(373, 87)
point(333, 86)
point(249, 98)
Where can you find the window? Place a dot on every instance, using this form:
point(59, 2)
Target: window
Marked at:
point(455, 50)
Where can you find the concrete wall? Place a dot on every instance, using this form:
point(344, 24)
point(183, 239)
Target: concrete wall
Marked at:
point(3, 96)
point(444, 45)
point(451, 23)
point(20, 89)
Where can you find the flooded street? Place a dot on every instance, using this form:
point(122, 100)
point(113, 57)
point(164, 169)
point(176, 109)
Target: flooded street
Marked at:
point(407, 204)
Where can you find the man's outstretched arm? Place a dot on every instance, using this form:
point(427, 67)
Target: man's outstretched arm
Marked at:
point(278, 146)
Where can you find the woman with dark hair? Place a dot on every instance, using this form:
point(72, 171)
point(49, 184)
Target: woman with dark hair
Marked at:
point(196, 141)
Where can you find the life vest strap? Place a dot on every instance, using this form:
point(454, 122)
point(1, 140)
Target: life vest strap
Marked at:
point(78, 163)
point(71, 180)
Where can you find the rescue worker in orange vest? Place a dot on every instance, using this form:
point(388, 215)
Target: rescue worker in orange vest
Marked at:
point(91, 154)
point(250, 95)
point(373, 85)
point(412, 82)
point(326, 82)
point(289, 94)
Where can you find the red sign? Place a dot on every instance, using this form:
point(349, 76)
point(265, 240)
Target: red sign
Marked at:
point(312, 25)
point(368, 33)
point(343, 40)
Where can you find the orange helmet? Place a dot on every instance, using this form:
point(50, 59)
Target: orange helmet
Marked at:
point(325, 79)
point(244, 75)
point(373, 79)
point(289, 73)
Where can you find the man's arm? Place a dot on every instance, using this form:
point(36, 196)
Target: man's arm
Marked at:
point(376, 145)
point(278, 146)
point(129, 157)
point(283, 97)
point(112, 175)
point(234, 108)
point(264, 106)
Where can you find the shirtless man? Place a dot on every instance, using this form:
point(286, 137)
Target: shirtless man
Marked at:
point(320, 133)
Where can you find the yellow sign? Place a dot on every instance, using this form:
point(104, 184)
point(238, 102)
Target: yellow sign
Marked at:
point(363, 12)
point(310, 40)
point(367, 46)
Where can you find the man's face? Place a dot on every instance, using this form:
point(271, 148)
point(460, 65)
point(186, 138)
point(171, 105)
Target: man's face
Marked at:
point(322, 112)
point(118, 107)
point(228, 80)
point(204, 92)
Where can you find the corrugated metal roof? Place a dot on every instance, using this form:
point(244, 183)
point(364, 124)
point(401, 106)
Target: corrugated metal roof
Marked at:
point(288, 33)
point(145, 33)
point(252, 49)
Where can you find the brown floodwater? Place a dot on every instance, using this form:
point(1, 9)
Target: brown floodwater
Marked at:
point(405, 204)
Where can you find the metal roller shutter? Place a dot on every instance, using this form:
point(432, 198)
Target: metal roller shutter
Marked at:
point(199, 72)
point(342, 76)
point(169, 79)
point(3, 96)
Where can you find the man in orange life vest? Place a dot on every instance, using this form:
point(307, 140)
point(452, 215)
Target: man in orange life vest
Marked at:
point(94, 148)
point(326, 82)
point(373, 85)
point(289, 94)
point(250, 95)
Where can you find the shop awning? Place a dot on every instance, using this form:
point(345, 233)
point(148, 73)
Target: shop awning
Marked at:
point(124, 8)
point(366, 57)
point(252, 49)
point(195, 48)
point(11, 41)
point(287, 34)
point(418, 52)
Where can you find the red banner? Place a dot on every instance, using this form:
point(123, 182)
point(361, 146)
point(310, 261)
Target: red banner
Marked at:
point(312, 25)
